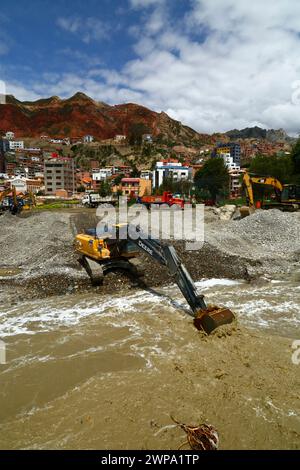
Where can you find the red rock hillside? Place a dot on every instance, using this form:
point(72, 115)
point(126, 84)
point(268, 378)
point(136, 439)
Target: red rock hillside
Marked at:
point(80, 115)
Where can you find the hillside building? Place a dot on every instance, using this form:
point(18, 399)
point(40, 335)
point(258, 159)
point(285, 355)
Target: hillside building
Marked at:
point(16, 144)
point(171, 169)
point(59, 175)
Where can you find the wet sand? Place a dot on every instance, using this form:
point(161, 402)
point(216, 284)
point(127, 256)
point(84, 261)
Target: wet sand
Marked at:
point(111, 379)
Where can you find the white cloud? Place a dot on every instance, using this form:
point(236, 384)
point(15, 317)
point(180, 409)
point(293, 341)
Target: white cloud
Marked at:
point(87, 29)
point(88, 59)
point(235, 70)
point(226, 64)
point(21, 93)
point(145, 3)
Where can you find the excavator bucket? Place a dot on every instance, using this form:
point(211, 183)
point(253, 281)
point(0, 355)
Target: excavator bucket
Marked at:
point(211, 318)
point(246, 210)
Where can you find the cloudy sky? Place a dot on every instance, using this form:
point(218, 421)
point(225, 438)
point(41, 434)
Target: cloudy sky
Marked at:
point(213, 64)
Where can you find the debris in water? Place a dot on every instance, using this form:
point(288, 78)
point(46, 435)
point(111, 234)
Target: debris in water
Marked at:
point(203, 437)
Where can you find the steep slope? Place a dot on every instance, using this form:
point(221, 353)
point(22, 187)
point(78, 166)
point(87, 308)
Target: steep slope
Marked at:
point(80, 115)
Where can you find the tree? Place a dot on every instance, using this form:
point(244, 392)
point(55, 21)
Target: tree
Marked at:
point(135, 173)
point(118, 179)
point(280, 167)
point(80, 189)
point(136, 132)
point(295, 156)
point(104, 189)
point(213, 177)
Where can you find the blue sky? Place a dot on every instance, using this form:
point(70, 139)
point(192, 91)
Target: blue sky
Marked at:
point(213, 64)
point(43, 38)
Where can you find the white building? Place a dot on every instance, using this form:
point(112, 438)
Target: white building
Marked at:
point(16, 144)
point(147, 138)
point(120, 138)
point(24, 185)
point(146, 174)
point(228, 160)
point(10, 135)
point(102, 174)
point(87, 139)
point(173, 170)
point(235, 184)
point(235, 173)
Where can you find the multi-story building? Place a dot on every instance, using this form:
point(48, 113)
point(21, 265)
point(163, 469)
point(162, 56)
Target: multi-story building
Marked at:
point(16, 144)
point(171, 169)
point(235, 182)
point(102, 175)
point(233, 148)
point(59, 175)
point(134, 187)
point(228, 161)
point(24, 185)
point(4, 147)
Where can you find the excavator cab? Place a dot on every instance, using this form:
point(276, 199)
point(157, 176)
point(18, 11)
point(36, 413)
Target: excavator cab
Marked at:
point(102, 251)
point(291, 193)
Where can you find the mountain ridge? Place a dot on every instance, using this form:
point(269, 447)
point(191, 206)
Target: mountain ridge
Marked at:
point(79, 115)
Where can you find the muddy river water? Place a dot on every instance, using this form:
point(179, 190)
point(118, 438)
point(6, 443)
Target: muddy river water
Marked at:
point(106, 371)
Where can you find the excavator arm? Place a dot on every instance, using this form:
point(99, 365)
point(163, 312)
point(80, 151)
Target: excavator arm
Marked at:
point(106, 252)
point(167, 256)
point(14, 201)
point(249, 180)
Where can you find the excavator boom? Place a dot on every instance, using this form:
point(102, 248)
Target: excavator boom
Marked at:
point(283, 193)
point(113, 255)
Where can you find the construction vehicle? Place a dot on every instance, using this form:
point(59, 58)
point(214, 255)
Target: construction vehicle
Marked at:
point(91, 200)
point(95, 199)
point(28, 199)
point(9, 200)
point(166, 198)
point(107, 250)
point(287, 196)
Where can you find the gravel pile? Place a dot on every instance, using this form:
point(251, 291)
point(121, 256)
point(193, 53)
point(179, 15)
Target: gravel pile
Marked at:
point(265, 233)
point(272, 238)
point(41, 245)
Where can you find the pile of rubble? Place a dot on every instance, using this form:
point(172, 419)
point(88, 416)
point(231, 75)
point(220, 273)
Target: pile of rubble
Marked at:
point(41, 248)
point(225, 212)
point(272, 238)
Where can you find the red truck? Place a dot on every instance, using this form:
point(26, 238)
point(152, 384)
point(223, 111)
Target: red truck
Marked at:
point(166, 198)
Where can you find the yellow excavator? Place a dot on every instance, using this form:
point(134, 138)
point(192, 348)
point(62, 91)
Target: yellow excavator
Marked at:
point(110, 249)
point(29, 200)
point(16, 203)
point(12, 200)
point(287, 195)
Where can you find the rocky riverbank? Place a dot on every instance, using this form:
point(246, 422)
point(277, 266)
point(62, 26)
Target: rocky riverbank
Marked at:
point(40, 248)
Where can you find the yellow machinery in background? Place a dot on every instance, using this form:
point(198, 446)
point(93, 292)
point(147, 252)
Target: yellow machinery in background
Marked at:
point(16, 203)
point(287, 196)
